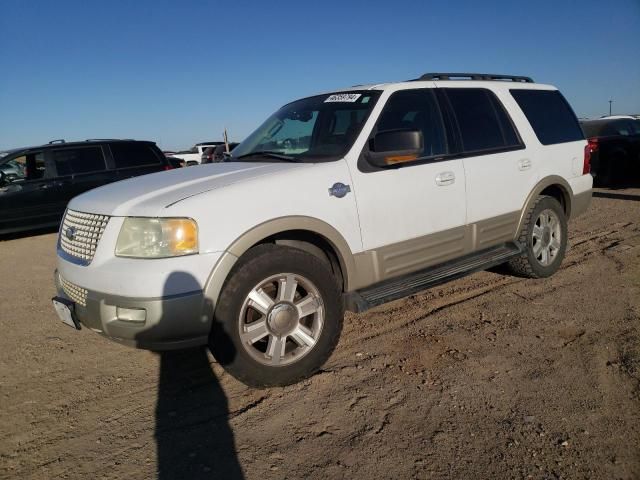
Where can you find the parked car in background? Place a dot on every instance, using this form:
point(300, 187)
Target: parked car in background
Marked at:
point(614, 117)
point(176, 162)
point(194, 155)
point(216, 154)
point(36, 183)
point(348, 199)
point(615, 149)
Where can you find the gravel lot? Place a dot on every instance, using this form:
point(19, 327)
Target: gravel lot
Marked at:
point(489, 377)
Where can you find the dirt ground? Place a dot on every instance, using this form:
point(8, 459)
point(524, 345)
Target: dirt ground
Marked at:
point(488, 377)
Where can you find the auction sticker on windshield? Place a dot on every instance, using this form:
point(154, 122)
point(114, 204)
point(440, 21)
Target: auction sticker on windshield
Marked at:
point(343, 97)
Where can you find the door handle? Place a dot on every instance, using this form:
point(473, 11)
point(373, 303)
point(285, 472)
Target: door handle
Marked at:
point(445, 178)
point(53, 184)
point(524, 164)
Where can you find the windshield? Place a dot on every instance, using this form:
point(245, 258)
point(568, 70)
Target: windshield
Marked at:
point(315, 129)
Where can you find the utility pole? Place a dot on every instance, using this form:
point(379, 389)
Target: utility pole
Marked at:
point(610, 102)
point(226, 141)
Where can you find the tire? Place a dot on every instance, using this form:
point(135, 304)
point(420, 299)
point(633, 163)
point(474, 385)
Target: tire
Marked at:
point(538, 238)
point(278, 318)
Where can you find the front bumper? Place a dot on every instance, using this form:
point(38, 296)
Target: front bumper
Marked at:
point(163, 323)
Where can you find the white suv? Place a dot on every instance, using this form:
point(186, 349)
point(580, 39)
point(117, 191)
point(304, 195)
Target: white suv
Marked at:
point(338, 201)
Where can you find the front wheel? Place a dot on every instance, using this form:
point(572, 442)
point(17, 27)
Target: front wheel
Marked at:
point(278, 318)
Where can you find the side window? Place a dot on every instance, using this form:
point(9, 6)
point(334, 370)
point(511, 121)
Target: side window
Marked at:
point(590, 129)
point(415, 110)
point(30, 166)
point(482, 120)
point(78, 160)
point(635, 127)
point(133, 155)
point(623, 128)
point(15, 169)
point(550, 115)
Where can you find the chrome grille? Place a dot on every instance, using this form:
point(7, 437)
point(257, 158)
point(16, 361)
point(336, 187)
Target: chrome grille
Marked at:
point(80, 234)
point(74, 292)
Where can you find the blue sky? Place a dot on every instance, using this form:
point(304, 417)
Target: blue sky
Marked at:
point(180, 72)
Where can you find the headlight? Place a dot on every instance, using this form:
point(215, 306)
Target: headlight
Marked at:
point(157, 237)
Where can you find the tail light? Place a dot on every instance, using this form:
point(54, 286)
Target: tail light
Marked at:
point(168, 167)
point(590, 149)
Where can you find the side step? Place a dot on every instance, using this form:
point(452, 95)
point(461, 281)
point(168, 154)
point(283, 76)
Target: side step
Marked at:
point(406, 285)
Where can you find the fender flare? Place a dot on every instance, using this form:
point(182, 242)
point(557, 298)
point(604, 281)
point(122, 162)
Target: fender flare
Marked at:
point(552, 180)
point(255, 235)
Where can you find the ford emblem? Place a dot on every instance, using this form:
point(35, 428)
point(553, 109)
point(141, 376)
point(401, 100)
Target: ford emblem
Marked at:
point(71, 233)
point(339, 190)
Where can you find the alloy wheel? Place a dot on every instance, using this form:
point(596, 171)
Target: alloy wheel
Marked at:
point(281, 319)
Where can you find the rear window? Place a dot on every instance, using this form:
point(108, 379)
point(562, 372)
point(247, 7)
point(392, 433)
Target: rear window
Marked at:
point(133, 155)
point(482, 120)
point(591, 129)
point(78, 160)
point(550, 115)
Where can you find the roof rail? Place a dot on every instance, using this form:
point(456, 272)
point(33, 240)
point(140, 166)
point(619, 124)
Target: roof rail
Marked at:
point(110, 140)
point(473, 76)
point(59, 140)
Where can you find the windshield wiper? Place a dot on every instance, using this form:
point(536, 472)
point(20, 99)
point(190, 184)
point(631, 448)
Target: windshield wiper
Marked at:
point(268, 154)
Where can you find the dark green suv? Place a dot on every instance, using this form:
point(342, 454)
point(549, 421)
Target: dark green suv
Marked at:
point(36, 183)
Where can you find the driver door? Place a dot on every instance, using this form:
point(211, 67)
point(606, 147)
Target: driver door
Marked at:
point(413, 212)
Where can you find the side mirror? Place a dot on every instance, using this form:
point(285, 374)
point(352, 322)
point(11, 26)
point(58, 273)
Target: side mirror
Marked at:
point(391, 147)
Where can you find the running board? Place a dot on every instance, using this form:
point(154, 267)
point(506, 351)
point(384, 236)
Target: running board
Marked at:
point(406, 285)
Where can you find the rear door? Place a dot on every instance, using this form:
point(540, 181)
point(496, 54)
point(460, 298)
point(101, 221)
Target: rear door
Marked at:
point(499, 172)
point(78, 170)
point(131, 159)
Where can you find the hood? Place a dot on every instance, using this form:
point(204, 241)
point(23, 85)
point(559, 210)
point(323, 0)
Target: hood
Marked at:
point(148, 195)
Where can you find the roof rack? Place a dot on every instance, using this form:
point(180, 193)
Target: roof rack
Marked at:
point(473, 76)
point(110, 140)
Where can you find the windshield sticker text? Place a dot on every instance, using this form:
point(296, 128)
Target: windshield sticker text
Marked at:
point(343, 97)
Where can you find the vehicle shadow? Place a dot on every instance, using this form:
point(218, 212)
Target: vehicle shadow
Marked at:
point(617, 196)
point(193, 437)
point(621, 181)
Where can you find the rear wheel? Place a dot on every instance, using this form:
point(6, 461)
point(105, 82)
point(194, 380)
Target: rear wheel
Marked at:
point(544, 237)
point(278, 318)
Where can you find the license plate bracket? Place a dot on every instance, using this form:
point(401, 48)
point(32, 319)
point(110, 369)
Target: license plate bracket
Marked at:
point(66, 312)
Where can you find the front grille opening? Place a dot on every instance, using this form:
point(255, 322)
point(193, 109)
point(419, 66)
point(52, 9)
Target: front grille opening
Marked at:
point(74, 292)
point(81, 233)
